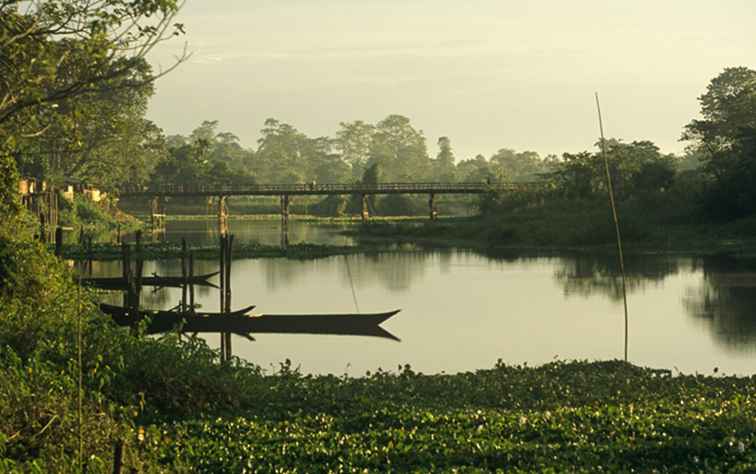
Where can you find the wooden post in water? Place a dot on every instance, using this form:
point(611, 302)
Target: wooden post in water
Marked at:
point(191, 285)
point(432, 206)
point(229, 245)
point(90, 258)
point(223, 238)
point(222, 215)
point(182, 306)
point(138, 272)
point(126, 271)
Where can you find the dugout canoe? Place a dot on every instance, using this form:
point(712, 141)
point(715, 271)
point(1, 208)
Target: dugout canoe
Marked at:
point(239, 322)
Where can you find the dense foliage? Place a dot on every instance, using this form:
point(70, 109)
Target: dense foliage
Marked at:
point(74, 83)
point(726, 138)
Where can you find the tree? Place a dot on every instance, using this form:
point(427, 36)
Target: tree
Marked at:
point(636, 167)
point(60, 49)
point(61, 61)
point(400, 150)
point(443, 165)
point(726, 136)
point(88, 138)
point(523, 166)
point(352, 142)
point(476, 170)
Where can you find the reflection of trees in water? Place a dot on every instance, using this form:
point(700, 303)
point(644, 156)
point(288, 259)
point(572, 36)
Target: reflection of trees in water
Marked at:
point(726, 303)
point(590, 275)
point(394, 271)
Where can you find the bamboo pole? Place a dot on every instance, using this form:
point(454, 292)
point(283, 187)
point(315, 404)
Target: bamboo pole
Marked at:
point(615, 217)
point(191, 285)
point(222, 291)
point(229, 245)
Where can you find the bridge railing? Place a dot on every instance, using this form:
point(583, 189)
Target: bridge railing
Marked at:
point(215, 189)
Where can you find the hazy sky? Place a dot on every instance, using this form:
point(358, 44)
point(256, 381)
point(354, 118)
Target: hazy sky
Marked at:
point(487, 73)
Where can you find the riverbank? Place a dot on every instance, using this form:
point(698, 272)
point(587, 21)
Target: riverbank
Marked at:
point(532, 234)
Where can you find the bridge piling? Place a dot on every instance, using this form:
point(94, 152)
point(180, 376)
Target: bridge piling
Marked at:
point(432, 207)
point(222, 215)
point(157, 215)
point(365, 208)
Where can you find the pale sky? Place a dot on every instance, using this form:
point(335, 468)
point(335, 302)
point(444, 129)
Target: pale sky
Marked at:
point(489, 74)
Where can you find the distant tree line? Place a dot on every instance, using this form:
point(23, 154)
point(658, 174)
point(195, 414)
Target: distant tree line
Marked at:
point(103, 138)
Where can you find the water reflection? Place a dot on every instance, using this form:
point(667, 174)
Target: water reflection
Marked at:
point(591, 275)
point(268, 232)
point(688, 313)
point(725, 302)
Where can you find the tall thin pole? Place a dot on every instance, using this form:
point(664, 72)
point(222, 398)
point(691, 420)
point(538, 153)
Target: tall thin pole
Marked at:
point(615, 216)
point(80, 388)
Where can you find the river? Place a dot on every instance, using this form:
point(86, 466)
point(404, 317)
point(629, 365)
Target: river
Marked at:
point(462, 310)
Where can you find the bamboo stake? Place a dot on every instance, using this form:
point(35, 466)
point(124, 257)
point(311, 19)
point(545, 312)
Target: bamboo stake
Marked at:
point(615, 216)
point(191, 285)
point(229, 245)
point(183, 275)
point(222, 291)
point(80, 389)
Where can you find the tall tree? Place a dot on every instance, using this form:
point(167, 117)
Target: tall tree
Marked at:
point(443, 165)
point(726, 136)
point(400, 150)
point(58, 49)
point(522, 166)
point(62, 59)
point(352, 142)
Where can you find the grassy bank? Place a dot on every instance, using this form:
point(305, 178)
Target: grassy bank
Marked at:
point(572, 228)
point(95, 220)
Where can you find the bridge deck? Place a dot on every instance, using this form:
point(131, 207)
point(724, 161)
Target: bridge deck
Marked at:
point(322, 189)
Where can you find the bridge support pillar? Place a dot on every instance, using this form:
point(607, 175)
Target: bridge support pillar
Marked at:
point(284, 221)
point(432, 207)
point(157, 215)
point(365, 209)
point(222, 215)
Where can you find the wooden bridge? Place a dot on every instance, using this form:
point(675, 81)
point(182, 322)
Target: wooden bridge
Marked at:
point(157, 195)
point(315, 189)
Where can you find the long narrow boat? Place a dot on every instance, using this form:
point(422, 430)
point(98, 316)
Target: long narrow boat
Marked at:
point(239, 322)
point(119, 312)
point(119, 283)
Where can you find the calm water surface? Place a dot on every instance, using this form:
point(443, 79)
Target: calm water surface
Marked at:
point(462, 311)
